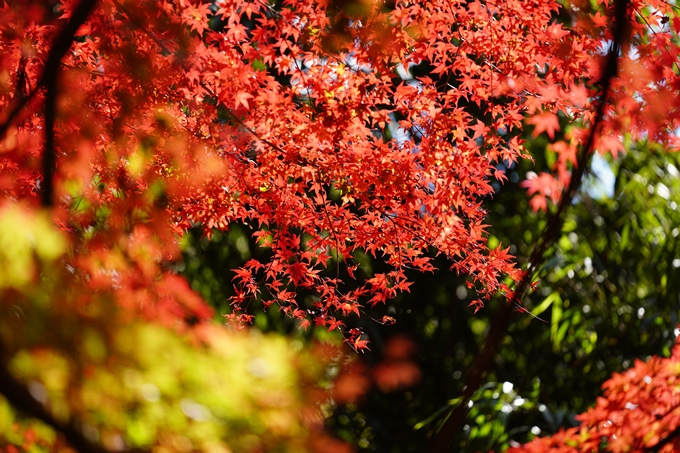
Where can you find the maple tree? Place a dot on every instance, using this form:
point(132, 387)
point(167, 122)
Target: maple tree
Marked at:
point(127, 123)
point(608, 296)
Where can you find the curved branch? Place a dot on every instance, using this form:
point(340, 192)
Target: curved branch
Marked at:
point(48, 79)
point(20, 399)
point(500, 322)
point(61, 45)
point(15, 392)
point(49, 159)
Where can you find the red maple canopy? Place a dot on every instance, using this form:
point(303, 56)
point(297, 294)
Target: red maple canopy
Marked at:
point(136, 120)
point(172, 114)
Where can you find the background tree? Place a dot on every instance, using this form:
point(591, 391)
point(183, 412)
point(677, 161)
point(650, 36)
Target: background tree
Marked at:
point(618, 241)
point(569, 377)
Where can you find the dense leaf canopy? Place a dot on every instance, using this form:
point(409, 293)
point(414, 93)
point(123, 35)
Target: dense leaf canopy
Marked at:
point(325, 169)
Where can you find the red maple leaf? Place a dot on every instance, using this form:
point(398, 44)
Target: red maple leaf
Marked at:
point(544, 122)
point(241, 98)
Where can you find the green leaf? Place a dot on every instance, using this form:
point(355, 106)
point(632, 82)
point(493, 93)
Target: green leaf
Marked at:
point(555, 321)
point(259, 65)
point(546, 303)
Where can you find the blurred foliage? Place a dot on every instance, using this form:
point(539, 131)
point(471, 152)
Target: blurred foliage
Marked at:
point(129, 383)
point(609, 293)
point(146, 386)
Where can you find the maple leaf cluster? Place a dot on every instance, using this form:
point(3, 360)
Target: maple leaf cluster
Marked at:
point(638, 413)
point(641, 102)
point(329, 128)
point(175, 114)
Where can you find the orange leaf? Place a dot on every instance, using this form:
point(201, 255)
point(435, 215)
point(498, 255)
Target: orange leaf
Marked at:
point(545, 122)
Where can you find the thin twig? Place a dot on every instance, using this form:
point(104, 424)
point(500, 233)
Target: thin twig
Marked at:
point(140, 25)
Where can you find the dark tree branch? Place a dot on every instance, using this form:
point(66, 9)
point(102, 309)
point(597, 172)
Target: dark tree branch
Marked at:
point(48, 79)
point(49, 160)
point(500, 322)
point(15, 392)
point(61, 45)
point(19, 397)
point(23, 100)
